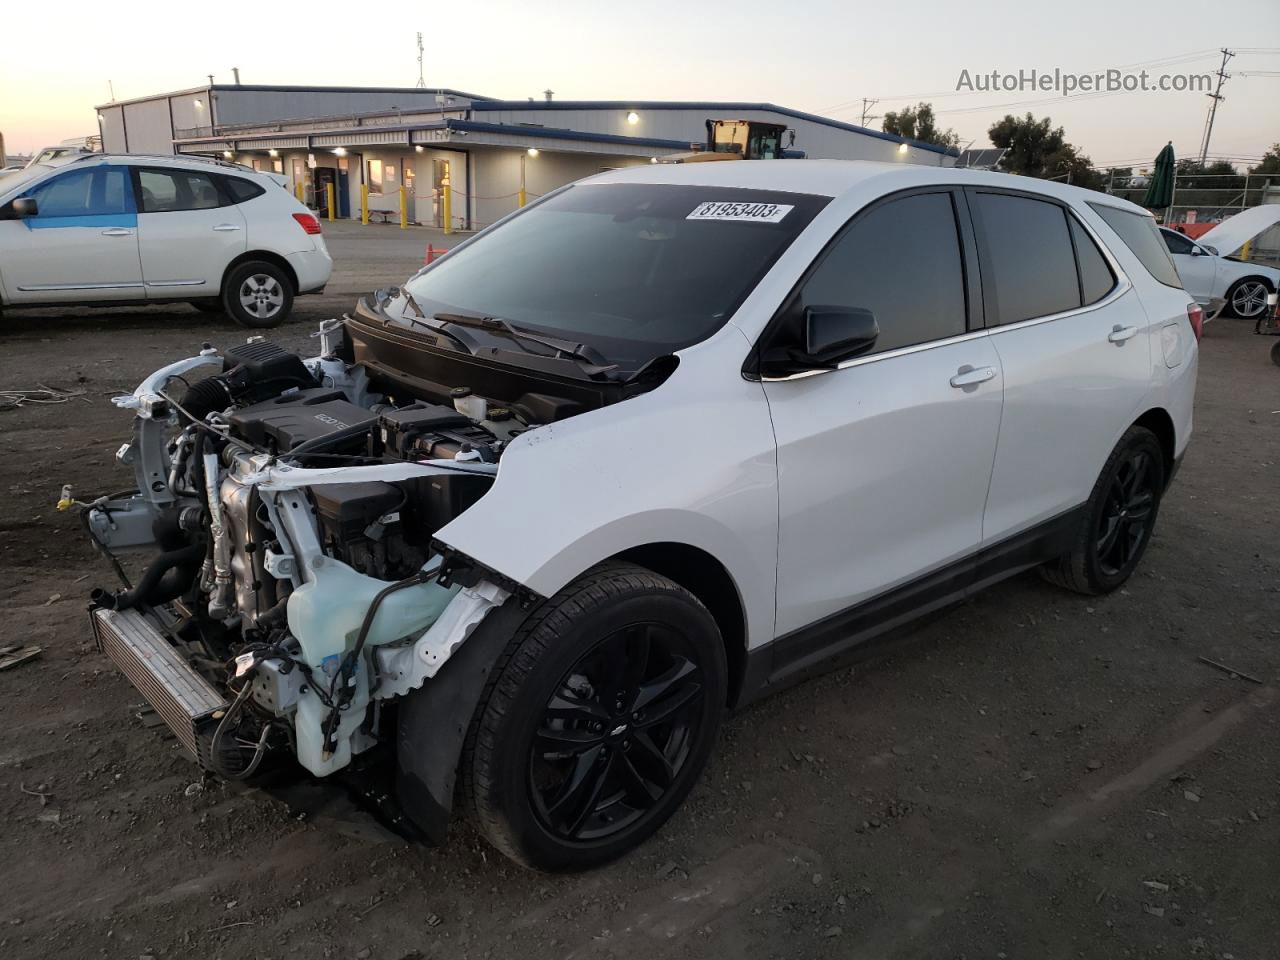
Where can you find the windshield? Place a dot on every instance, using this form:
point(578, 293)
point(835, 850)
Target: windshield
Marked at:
point(635, 270)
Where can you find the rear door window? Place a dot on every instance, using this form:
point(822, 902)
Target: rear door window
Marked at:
point(164, 191)
point(1029, 265)
point(901, 260)
point(1141, 235)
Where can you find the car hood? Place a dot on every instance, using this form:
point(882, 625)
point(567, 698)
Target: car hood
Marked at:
point(1234, 232)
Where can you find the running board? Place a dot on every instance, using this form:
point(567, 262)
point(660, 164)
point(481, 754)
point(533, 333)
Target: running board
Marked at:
point(186, 701)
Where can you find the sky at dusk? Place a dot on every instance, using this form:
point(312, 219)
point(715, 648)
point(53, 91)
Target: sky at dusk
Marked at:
point(811, 55)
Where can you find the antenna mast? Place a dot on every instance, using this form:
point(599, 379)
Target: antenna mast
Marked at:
point(422, 83)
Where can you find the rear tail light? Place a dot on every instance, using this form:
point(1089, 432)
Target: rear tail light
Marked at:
point(1195, 313)
point(307, 222)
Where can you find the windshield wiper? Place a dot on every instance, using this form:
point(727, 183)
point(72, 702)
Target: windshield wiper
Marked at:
point(499, 325)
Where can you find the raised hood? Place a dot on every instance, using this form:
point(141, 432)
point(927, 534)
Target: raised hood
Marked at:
point(1234, 232)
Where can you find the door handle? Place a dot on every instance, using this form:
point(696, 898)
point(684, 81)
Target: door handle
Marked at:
point(1120, 334)
point(226, 227)
point(117, 232)
point(968, 376)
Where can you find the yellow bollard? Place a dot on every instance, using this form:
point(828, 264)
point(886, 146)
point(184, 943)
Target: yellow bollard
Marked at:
point(1244, 251)
point(332, 196)
point(301, 191)
point(404, 209)
point(520, 196)
point(364, 204)
point(448, 207)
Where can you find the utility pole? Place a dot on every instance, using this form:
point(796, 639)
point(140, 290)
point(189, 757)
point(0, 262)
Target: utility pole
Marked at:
point(867, 115)
point(422, 83)
point(1213, 105)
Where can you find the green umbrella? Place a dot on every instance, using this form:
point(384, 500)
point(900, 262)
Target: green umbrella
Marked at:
point(1160, 189)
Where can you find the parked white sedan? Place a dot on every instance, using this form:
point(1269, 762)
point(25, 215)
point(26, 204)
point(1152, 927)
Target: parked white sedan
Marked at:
point(99, 230)
point(1207, 275)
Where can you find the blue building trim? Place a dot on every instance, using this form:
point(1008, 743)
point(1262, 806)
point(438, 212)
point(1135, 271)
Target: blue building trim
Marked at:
point(490, 105)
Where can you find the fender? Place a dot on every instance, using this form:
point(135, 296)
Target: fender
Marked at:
point(434, 720)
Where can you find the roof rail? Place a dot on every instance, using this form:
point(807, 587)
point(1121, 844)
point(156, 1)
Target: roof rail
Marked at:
point(184, 157)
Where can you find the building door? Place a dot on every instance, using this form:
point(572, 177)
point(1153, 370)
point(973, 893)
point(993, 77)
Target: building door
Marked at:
point(324, 177)
point(439, 180)
point(409, 194)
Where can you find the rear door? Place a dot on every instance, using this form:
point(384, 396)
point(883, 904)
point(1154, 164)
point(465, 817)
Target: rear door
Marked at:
point(82, 246)
point(189, 230)
point(1075, 349)
point(883, 464)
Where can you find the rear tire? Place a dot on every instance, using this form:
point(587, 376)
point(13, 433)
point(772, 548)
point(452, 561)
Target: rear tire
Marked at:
point(597, 720)
point(257, 294)
point(1118, 518)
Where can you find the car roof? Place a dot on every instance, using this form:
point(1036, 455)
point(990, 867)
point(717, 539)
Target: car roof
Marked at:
point(162, 160)
point(833, 178)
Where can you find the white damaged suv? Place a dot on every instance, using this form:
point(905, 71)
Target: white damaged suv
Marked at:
point(648, 449)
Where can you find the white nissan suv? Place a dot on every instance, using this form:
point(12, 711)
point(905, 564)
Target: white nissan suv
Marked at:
point(650, 448)
point(103, 230)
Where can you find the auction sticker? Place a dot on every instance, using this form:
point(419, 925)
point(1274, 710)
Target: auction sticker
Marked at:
point(751, 212)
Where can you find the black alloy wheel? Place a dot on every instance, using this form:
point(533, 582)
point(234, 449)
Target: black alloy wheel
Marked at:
point(1126, 519)
point(615, 733)
point(596, 720)
point(1117, 521)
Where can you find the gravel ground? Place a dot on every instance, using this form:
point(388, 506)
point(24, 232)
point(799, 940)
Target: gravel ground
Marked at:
point(1034, 774)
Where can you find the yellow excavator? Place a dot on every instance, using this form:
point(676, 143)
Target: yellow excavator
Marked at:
point(740, 140)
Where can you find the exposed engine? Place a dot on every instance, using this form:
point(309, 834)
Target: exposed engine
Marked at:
point(297, 584)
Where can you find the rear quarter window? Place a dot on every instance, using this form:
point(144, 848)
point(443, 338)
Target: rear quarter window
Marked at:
point(241, 190)
point(1141, 235)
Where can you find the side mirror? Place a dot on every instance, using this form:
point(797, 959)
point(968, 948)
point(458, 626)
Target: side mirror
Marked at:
point(25, 207)
point(1212, 251)
point(835, 334)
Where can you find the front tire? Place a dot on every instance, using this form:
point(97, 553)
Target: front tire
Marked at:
point(1118, 519)
point(597, 720)
point(257, 294)
point(1248, 298)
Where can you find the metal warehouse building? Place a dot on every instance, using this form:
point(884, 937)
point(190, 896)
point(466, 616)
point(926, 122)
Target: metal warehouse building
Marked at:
point(463, 160)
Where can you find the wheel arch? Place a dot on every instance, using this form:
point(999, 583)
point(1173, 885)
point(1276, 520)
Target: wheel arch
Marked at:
point(1159, 422)
point(709, 580)
point(265, 256)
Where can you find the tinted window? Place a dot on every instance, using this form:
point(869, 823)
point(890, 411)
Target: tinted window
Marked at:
point(168, 190)
point(1096, 278)
point(1176, 242)
point(635, 270)
point(1141, 235)
point(1032, 268)
point(242, 190)
point(901, 260)
point(85, 193)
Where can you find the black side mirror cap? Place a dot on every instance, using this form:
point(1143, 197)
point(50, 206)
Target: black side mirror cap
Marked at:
point(25, 207)
point(835, 334)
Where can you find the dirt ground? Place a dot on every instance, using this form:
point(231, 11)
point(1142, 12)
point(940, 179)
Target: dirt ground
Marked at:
point(1034, 775)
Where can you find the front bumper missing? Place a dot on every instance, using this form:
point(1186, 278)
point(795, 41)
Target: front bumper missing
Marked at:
point(187, 703)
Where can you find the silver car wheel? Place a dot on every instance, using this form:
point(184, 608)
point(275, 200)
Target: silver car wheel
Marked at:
point(262, 297)
point(1249, 299)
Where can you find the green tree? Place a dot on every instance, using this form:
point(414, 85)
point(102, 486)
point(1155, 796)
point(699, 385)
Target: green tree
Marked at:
point(1270, 161)
point(919, 123)
point(1193, 175)
point(1029, 142)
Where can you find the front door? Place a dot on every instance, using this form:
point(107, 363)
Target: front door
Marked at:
point(82, 245)
point(1074, 345)
point(188, 232)
point(1198, 270)
point(883, 464)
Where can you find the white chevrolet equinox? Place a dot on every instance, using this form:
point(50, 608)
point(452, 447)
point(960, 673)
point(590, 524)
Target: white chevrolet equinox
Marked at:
point(652, 447)
point(103, 230)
